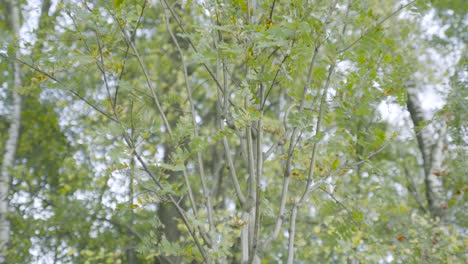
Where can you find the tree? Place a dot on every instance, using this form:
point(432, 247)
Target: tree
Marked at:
point(11, 142)
point(43, 176)
point(236, 132)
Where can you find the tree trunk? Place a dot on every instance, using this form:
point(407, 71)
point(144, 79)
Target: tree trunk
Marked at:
point(430, 145)
point(11, 142)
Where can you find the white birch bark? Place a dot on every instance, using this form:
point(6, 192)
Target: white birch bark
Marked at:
point(430, 144)
point(11, 142)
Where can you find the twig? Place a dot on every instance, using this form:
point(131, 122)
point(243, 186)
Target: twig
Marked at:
point(206, 193)
point(341, 205)
point(274, 79)
point(132, 37)
point(287, 169)
point(315, 147)
point(50, 76)
point(145, 73)
point(272, 10)
point(414, 191)
point(369, 31)
point(119, 224)
point(310, 176)
point(218, 84)
point(223, 98)
point(171, 198)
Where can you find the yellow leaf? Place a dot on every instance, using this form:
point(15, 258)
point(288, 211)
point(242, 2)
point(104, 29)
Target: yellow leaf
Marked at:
point(357, 238)
point(317, 229)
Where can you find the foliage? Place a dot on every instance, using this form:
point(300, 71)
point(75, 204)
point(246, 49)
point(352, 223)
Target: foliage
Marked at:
point(231, 131)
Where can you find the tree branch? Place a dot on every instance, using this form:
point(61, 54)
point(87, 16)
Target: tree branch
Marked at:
point(206, 192)
point(369, 31)
point(59, 82)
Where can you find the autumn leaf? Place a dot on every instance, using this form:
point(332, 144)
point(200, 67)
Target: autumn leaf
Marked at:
point(400, 237)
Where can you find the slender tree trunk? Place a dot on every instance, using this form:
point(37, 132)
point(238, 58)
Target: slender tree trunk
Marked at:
point(430, 145)
point(11, 142)
point(167, 214)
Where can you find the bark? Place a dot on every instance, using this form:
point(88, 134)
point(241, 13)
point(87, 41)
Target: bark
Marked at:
point(430, 145)
point(10, 144)
point(168, 215)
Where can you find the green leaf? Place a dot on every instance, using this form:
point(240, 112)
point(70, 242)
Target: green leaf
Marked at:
point(117, 3)
point(176, 167)
point(317, 137)
point(335, 164)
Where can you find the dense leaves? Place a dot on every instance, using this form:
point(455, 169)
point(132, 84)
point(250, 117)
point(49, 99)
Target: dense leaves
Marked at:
point(237, 132)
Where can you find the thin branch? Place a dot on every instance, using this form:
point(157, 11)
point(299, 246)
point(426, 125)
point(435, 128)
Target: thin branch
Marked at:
point(292, 144)
point(232, 169)
point(148, 81)
point(310, 176)
point(369, 31)
point(249, 207)
point(191, 230)
point(159, 108)
point(50, 76)
point(233, 173)
point(414, 191)
point(259, 171)
point(272, 148)
point(132, 37)
point(179, 23)
point(223, 97)
point(171, 198)
point(315, 148)
point(251, 159)
point(102, 69)
point(206, 192)
point(272, 10)
point(130, 229)
point(349, 212)
point(274, 79)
